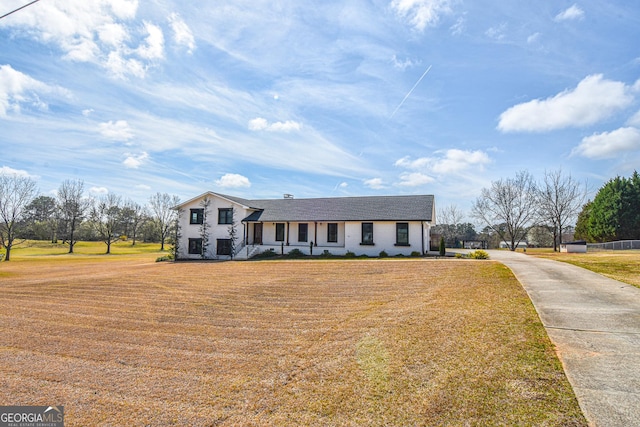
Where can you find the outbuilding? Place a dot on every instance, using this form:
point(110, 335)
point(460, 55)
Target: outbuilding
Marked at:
point(577, 247)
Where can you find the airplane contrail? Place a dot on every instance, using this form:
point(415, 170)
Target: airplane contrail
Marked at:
point(409, 94)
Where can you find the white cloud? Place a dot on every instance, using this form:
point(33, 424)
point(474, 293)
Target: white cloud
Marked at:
point(121, 67)
point(18, 89)
point(533, 38)
point(497, 33)
point(87, 112)
point(6, 170)
point(233, 180)
point(182, 34)
point(113, 34)
point(98, 191)
point(134, 161)
point(448, 162)
point(459, 160)
point(607, 145)
point(459, 27)
point(153, 47)
point(142, 187)
point(102, 32)
point(593, 100)
point(343, 185)
point(421, 14)
point(402, 65)
point(374, 183)
point(116, 131)
point(570, 14)
point(260, 124)
point(634, 120)
point(414, 179)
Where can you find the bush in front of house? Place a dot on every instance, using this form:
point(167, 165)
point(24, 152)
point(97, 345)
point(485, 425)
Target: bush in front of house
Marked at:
point(270, 253)
point(383, 254)
point(168, 257)
point(416, 254)
point(326, 254)
point(295, 253)
point(350, 254)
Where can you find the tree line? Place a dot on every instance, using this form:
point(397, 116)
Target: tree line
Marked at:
point(70, 215)
point(513, 208)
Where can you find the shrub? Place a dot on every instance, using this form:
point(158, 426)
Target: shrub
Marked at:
point(350, 254)
point(295, 253)
point(269, 253)
point(442, 249)
point(415, 254)
point(383, 254)
point(165, 258)
point(326, 254)
point(479, 254)
point(459, 255)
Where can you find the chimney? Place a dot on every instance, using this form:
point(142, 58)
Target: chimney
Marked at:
point(288, 196)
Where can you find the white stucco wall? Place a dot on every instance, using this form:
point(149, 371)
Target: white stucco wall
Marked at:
point(350, 238)
point(349, 234)
point(216, 231)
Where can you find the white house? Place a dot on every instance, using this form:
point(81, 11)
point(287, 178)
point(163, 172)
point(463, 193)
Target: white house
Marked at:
point(362, 225)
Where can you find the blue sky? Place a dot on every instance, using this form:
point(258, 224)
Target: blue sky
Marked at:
point(261, 98)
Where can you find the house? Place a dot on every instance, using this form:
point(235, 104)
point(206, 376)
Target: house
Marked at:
point(217, 226)
point(521, 245)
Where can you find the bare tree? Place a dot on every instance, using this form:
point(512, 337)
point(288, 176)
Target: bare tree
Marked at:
point(448, 219)
point(133, 215)
point(73, 206)
point(106, 218)
point(561, 199)
point(163, 211)
point(16, 192)
point(510, 202)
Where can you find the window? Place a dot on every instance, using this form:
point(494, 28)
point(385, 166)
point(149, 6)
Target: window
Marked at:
point(332, 232)
point(279, 232)
point(224, 247)
point(195, 246)
point(402, 234)
point(367, 233)
point(303, 231)
point(225, 216)
point(197, 216)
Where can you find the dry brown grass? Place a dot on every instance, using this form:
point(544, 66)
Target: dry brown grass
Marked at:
point(619, 265)
point(379, 342)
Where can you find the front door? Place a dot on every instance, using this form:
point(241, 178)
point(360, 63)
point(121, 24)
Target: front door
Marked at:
point(257, 233)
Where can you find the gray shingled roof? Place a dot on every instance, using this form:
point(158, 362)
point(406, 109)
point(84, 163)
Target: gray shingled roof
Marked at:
point(373, 208)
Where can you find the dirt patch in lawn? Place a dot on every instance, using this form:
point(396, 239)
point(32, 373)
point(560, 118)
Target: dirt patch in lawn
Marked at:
point(380, 342)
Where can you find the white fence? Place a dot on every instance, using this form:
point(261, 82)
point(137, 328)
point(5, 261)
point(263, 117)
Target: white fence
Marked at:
point(614, 246)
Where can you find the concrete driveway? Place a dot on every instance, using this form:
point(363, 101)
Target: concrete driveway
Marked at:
point(594, 323)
